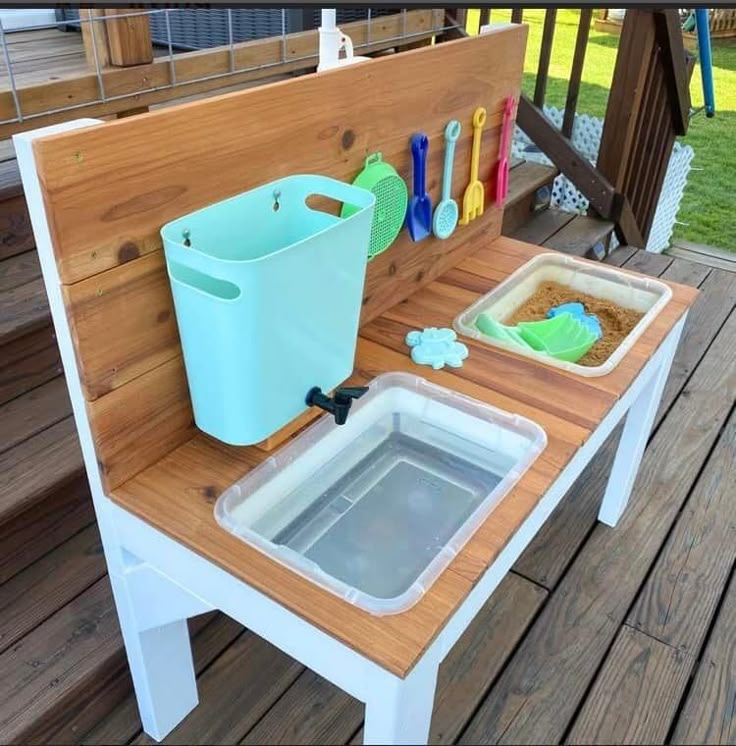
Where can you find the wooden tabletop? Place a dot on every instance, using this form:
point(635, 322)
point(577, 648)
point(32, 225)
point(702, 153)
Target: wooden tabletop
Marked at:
point(177, 494)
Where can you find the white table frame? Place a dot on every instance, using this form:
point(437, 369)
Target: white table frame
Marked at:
point(158, 583)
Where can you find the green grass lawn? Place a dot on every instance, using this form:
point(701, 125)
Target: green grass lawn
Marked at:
point(706, 212)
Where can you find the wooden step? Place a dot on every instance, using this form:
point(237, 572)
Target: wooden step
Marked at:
point(36, 593)
point(28, 362)
point(16, 235)
point(32, 470)
point(578, 235)
point(23, 309)
point(33, 412)
point(60, 666)
point(526, 179)
point(18, 270)
point(29, 355)
point(583, 236)
point(47, 524)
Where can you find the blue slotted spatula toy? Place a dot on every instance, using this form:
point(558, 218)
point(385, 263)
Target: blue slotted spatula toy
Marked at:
point(419, 212)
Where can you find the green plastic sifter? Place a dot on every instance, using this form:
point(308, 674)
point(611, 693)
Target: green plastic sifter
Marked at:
point(382, 180)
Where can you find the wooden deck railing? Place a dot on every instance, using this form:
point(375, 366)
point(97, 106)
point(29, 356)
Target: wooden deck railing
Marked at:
point(648, 107)
point(124, 77)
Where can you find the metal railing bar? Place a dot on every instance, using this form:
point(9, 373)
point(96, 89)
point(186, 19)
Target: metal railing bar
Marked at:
point(172, 64)
point(231, 46)
point(11, 76)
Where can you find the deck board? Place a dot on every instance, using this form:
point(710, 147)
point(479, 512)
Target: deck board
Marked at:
point(709, 714)
point(537, 697)
point(553, 663)
point(646, 672)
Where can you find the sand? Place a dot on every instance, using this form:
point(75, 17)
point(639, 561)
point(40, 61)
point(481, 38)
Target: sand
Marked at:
point(616, 321)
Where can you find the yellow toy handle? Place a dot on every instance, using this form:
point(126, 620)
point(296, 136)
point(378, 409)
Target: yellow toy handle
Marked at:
point(479, 119)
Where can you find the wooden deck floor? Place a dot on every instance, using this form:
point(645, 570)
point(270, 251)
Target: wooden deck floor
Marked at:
point(598, 635)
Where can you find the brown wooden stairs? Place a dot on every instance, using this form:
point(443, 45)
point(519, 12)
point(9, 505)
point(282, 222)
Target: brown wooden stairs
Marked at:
point(529, 217)
point(59, 636)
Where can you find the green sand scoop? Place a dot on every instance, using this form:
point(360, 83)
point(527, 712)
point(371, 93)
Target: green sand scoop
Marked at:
point(563, 337)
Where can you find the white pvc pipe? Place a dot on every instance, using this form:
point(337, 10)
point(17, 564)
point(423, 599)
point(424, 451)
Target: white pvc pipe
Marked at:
point(329, 19)
point(331, 41)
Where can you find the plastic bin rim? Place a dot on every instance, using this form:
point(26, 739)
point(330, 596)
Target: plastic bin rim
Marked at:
point(369, 197)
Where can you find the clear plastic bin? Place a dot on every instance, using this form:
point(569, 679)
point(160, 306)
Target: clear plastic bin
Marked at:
point(638, 293)
point(374, 510)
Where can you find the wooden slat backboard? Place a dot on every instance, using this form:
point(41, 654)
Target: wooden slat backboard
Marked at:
point(109, 189)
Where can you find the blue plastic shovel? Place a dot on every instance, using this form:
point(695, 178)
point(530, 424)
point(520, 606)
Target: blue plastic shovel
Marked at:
point(419, 211)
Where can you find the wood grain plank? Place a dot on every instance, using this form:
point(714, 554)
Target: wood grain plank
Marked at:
point(55, 662)
point(33, 595)
point(23, 309)
point(620, 255)
point(537, 696)
point(717, 300)
point(138, 424)
point(542, 226)
point(311, 711)
point(210, 467)
point(374, 358)
point(123, 323)
point(18, 270)
point(33, 412)
point(109, 188)
point(523, 379)
point(637, 693)
point(648, 263)
point(16, 234)
point(580, 235)
point(38, 530)
point(28, 362)
point(709, 714)
point(678, 601)
point(191, 479)
point(30, 471)
point(199, 71)
point(633, 697)
point(128, 39)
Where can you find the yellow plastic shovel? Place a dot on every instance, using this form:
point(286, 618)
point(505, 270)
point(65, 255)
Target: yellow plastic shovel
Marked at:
point(474, 198)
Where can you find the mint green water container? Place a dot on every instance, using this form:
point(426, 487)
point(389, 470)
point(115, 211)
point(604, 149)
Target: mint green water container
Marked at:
point(267, 292)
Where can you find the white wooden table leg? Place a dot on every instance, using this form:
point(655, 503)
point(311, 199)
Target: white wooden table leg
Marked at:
point(634, 438)
point(399, 711)
point(160, 661)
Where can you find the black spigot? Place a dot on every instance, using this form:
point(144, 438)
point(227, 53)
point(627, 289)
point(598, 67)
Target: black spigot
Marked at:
point(337, 405)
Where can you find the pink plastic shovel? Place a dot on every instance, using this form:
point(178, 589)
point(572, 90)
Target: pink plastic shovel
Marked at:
point(502, 175)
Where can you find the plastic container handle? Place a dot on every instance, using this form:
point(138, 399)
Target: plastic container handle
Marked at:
point(196, 260)
point(452, 133)
point(323, 186)
point(419, 148)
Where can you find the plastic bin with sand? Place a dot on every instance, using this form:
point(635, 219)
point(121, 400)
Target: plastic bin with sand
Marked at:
point(640, 294)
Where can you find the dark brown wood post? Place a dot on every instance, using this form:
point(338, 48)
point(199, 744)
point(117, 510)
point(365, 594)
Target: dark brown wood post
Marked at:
point(576, 73)
point(545, 54)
